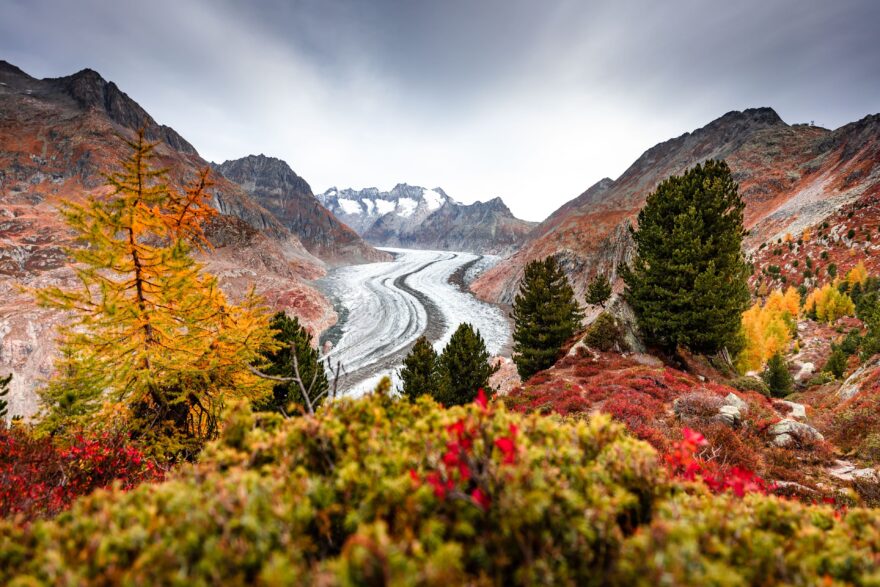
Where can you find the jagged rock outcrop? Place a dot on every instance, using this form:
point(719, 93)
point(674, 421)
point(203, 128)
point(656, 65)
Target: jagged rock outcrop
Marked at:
point(275, 186)
point(415, 217)
point(790, 176)
point(57, 136)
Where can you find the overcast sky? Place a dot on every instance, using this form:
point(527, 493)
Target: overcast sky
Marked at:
point(533, 100)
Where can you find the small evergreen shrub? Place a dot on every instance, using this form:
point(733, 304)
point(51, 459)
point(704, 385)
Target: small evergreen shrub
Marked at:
point(777, 377)
point(605, 333)
point(746, 383)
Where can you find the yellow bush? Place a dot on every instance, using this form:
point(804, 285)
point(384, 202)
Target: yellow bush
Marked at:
point(857, 274)
point(768, 328)
point(828, 304)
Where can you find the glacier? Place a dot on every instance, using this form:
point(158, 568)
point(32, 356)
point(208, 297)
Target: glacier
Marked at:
point(384, 307)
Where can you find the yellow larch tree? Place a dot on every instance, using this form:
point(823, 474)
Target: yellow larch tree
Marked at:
point(768, 328)
point(828, 303)
point(151, 335)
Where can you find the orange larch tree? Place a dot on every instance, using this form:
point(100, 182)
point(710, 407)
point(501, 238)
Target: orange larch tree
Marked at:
point(152, 336)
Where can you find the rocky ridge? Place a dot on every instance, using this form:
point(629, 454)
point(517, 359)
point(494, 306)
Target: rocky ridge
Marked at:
point(416, 217)
point(790, 176)
point(272, 184)
point(57, 137)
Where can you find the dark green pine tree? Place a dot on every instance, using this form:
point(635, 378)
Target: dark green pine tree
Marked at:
point(421, 371)
point(687, 283)
point(545, 314)
point(777, 377)
point(598, 290)
point(464, 368)
point(290, 333)
point(4, 391)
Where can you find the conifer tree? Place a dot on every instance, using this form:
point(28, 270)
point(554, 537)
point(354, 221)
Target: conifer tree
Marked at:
point(151, 337)
point(291, 335)
point(836, 363)
point(777, 377)
point(421, 371)
point(545, 313)
point(598, 290)
point(464, 367)
point(4, 391)
point(687, 283)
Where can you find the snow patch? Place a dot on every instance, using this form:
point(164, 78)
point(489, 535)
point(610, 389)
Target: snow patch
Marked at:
point(370, 205)
point(406, 207)
point(384, 206)
point(349, 206)
point(433, 198)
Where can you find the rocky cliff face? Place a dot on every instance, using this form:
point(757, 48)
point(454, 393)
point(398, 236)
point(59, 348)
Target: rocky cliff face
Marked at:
point(56, 138)
point(415, 217)
point(791, 177)
point(274, 185)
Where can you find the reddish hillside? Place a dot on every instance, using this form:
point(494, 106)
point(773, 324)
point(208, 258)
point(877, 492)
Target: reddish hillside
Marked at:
point(273, 184)
point(57, 136)
point(790, 176)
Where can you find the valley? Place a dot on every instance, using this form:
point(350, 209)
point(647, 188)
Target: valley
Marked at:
point(384, 307)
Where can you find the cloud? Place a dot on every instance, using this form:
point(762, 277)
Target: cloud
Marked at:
point(530, 101)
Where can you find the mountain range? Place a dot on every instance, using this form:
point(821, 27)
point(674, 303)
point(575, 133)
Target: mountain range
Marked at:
point(57, 137)
point(792, 177)
point(416, 217)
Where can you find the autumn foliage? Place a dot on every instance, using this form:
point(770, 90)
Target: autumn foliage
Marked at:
point(768, 328)
point(151, 333)
point(828, 304)
point(40, 477)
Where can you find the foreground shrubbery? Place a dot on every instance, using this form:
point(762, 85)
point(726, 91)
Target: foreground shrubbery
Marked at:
point(377, 491)
point(40, 477)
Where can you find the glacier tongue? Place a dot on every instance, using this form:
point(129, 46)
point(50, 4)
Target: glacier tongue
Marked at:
point(385, 307)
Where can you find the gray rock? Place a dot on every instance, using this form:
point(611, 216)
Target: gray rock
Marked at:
point(805, 371)
point(846, 471)
point(734, 400)
point(784, 440)
point(788, 431)
point(798, 411)
point(730, 415)
point(853, 383)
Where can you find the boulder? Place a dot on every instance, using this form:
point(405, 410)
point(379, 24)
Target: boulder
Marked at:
point(853, 383)
point(730, 415)
point(804, 371)
point(737, 402)
point(797, 411)
point(846, 471)
point(788, 432)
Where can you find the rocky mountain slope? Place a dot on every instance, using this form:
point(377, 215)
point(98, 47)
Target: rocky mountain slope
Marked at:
point(273, 184)
point(415, 217)
point(791, 177)
point(57, 136)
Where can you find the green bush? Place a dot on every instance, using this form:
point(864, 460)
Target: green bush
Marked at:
point(836, 364)
point(349, 496)
point(371, 492)
point(777, 377)
point(605, 333)
point(746, 383)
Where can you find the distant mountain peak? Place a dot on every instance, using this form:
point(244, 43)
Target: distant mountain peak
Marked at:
point(414, 216)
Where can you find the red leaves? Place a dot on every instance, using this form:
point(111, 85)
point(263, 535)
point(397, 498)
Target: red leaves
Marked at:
point(463, 472)
point(39, 478)
point(684, 463)
point(481, 499)
point(481, 400)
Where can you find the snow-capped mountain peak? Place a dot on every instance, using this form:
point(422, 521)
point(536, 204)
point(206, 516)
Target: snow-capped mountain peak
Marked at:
point(425, 218)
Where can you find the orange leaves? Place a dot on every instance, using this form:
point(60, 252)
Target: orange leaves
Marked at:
point(857, 275)
point(768, 328)
point(155, 332)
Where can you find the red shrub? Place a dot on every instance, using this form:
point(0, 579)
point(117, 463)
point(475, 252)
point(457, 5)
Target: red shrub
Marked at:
point(39, 478)
point(685, 463)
